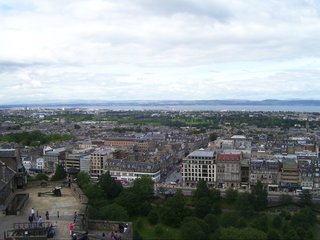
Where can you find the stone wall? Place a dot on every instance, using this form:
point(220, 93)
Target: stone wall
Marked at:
point(111, 226)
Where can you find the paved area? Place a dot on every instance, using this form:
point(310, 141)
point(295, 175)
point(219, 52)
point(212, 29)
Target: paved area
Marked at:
point(61, 210)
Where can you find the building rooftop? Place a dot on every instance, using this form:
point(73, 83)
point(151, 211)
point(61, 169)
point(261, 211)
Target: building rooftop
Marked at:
point(228, 157)
point(202, 153)
point(131, 166)
point(7, 152)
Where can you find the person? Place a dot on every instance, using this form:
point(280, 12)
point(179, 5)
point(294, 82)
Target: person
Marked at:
point(40, 222)
point(47, 215)
point(71, 228)
point(75, 215)
point(32, 214)
point(30, 221)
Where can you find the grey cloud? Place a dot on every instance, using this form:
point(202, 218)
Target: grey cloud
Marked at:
point(210, 9)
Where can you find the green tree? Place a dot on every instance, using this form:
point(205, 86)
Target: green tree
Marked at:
point(94, 194)
point(231, 195)
point(83, 178)
point(194, 228)
point(153, 216)
point(114, 212)
point(305, 198)
point(109, 186)
point(143, 187)
point(202, 190)
point(286, 199)
point(244, 205)
point(277, 222)
point(174, 210)
point(212, 221)
point(202, 207)
point(232, 233)
point(259, 197)
point(59, 174)
point(42, 176)
point(273, 235)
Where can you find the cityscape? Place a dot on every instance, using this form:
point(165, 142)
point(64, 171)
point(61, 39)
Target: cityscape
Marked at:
point(159, 120)
point(232, 152)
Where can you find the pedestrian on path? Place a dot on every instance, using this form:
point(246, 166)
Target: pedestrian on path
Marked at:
point(47, 215)
point(32, 214)
point(71, 228)
point(75, 215)
point(30, 221)
point(40, 222)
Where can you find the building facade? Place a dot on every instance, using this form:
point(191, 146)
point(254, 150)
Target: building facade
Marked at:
point(200, 164)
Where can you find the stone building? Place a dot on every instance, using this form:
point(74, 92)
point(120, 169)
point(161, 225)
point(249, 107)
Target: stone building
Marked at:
point(228, 170)
point(200, 164)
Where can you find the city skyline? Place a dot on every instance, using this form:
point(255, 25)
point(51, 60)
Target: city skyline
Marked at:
point(159, 50)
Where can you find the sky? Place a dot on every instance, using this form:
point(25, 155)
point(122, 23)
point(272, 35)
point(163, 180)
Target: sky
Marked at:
point(62, 50)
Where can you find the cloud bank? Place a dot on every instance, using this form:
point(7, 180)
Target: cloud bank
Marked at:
point(168, 49)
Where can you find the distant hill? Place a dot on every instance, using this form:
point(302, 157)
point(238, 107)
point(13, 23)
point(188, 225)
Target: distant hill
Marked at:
point(88, 103)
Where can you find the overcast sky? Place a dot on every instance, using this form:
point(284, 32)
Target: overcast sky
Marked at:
point(159, 49)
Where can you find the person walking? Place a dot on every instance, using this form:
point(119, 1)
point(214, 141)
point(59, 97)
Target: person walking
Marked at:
point(71, 228)
point(30, 221)
point(40, 222)
point(47, 215)
point(75, 215)
point(32, 214)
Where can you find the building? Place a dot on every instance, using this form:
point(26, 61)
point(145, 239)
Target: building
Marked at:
point(265, 171)
point(85, 163)
point(140, 144)
point(289, 175)
point(98, 160)
point(52, 158)
point(125, 170)
point(7, 185)
point(228, 170)
point(306, 172)
point(40, 163)
point(200, 164)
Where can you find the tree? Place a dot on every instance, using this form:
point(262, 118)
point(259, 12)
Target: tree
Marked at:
point(231, 195)
point(259, 197)
point(109, 186)
point(194, 228)
point(114, 212)
point(213, 137)
point(59, 174)
point(202, 190)
point(286, 199)
point(94, 194)
point(273, 235)
point(277, 222)
point(212, 222)
point(202, 207)
point(153, 216)
point(143, 187)
point(174, 210)
point(232, 233)
point(244, 205)
point(305, 198)
point(83, 178)
point(42, 176)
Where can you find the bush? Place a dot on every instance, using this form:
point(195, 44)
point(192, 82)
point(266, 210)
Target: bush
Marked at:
point(42, 176)
point(153, 217)
point(158, 230)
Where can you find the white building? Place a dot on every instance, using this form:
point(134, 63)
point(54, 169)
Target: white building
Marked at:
point(200, 164)
point(122, 169)
point(40, 163)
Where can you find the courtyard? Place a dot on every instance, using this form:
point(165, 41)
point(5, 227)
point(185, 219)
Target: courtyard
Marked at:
point(61, 210)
